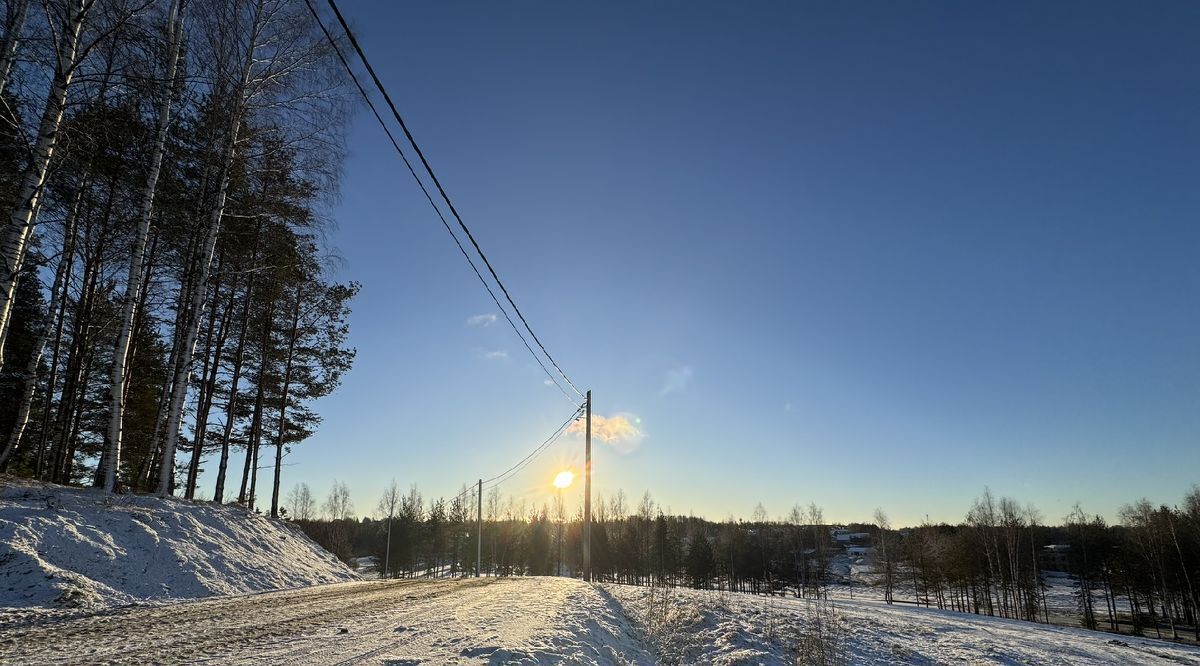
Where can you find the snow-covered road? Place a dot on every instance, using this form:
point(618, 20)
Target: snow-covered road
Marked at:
point(393, 622)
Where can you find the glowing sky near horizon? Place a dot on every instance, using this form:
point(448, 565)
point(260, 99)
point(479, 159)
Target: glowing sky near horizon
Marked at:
point(861, 255)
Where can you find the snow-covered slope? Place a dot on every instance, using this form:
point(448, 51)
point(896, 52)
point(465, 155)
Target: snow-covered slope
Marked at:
point(709, 627)
point(69, 547)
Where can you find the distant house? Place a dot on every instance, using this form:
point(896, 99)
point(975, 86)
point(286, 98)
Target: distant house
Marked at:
point(846, 536)
point(858, 551)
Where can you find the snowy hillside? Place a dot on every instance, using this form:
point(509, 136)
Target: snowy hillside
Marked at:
point(68, 547)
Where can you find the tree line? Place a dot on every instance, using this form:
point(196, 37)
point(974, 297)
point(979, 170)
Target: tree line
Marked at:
point(1137, 575)
point(166, 297)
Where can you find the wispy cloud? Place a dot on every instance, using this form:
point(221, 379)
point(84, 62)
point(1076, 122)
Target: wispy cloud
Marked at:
point(621, 431)
point(498, 354)
point(676, 380)
point(481, 320)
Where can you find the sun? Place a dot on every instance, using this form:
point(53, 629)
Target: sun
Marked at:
point(564, 479)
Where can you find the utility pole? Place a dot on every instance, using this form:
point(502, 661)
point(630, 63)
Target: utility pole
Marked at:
point(587, 493)
point(479, 529)
point(387, 551)
point(562, 513)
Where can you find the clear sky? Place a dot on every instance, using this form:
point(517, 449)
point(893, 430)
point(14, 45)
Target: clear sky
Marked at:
point(863, 254)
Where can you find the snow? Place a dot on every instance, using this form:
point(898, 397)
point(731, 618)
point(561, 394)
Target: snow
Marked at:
point(88, 578)
point(1061, 591)
point(69, 547)
point(692, 626)
point(505, 620)
point(550, 620)
point(487, 620)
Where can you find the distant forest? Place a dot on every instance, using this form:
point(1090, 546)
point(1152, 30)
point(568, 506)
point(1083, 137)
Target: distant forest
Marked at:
point(166, 306)
point(1137, 576)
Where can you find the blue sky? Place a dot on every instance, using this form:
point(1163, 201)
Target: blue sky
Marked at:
point(861, 254)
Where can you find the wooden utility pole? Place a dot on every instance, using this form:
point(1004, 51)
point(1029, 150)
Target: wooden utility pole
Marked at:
point(479, 529)
point(387, 551)
point(587, 493)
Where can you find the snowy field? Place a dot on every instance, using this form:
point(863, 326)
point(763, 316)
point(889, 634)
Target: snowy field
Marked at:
point(547, 620)
point(1061, 592)
point(691, 626)
point(68, 547)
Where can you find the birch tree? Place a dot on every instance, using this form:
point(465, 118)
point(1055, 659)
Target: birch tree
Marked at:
point(28, 380)
point(303, 505)
point(173, 31)
point(149, 156)
point(14, 238)
point(14, 24)
point(271, 68)
point(885, 553)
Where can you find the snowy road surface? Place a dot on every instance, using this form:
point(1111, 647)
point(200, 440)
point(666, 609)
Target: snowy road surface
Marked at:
point(545, 620)
point(393, 622)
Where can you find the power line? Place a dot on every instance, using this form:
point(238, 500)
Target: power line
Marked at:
point(558, 432)
point(506, 474)
point(441, 190)
point(524, 462)
point(395, 144)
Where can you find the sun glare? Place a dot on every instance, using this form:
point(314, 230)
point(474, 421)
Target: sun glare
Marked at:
point(564, 479)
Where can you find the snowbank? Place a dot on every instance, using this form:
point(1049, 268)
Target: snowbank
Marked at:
point(68, 547)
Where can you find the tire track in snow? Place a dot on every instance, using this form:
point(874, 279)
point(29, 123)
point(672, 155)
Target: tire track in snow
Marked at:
point(532, 620)
point(199, 631)
point(376, 631)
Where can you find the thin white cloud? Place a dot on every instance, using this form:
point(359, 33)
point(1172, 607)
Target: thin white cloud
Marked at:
point(621, 431)
point(547, 382)
point(481, 320)
point(676, 380)
point(498, 354)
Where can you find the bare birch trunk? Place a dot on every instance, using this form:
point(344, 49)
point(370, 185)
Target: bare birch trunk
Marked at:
point(52, 327)
point(137, 253)
point(195, 308)
point(12, 40)
point(164, 401)
point(20, 223)
point(179, 390)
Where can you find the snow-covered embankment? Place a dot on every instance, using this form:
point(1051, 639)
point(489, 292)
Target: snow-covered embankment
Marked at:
point(69, 547)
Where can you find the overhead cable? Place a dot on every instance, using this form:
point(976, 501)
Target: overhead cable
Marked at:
point(441, 190)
